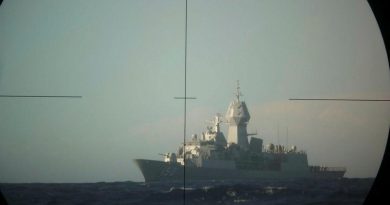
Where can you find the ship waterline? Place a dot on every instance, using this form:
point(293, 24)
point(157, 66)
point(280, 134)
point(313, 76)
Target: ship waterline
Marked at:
point(159, 171)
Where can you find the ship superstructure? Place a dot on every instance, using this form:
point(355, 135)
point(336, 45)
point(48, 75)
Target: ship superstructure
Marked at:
point(209, 156)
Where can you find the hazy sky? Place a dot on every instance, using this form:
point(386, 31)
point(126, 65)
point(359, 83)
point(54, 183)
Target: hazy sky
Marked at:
point(126, 58)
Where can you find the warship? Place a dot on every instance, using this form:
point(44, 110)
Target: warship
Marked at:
point(211, 156)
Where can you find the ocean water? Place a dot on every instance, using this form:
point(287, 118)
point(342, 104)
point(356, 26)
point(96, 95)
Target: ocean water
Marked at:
point(314, 192)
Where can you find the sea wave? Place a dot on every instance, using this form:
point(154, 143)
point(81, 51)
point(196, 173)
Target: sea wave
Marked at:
point(343, 191)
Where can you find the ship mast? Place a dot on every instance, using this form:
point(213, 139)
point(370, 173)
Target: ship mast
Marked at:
point(238, 93)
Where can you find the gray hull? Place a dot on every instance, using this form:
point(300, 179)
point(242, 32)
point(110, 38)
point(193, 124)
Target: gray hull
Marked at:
point(154, 171)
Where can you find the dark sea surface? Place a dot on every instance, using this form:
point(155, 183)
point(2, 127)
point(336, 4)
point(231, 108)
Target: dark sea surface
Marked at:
point(314, 192)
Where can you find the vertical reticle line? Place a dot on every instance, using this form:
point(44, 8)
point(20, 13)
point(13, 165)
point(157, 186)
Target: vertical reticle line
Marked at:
point(185, 104)
point(185, 107)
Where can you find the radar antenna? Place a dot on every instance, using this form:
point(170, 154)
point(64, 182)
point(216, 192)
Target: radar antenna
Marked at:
point(216, 122)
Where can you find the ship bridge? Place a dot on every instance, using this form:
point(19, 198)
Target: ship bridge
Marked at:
point(237, 117)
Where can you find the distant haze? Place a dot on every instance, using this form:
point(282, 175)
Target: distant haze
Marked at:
point(126, 58)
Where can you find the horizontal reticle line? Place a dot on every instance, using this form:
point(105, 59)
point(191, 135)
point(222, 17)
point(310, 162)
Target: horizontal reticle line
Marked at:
point(185, 97)
point(337, 99)
point(40, 96)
